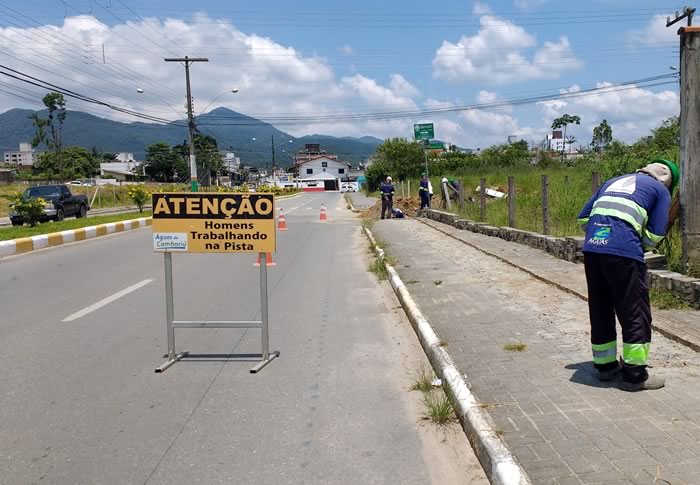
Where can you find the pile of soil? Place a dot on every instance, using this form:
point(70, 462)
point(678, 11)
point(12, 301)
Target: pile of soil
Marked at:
point(408, 205)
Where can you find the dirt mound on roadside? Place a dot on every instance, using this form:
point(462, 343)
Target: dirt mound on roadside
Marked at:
point(408, 205)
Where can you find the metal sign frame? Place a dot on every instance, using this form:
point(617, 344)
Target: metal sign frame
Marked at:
point(171, 323)
point(173, 356)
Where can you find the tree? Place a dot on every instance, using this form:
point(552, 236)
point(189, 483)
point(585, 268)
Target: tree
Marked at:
point(401, 158)
point(563, 122)
point(206, 150)
point(72, 162)
point(602, 136)
point(508, 155)
point(56, 105)
point(163, 163)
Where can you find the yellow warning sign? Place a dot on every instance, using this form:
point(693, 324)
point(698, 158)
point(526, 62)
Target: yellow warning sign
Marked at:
point(203, 222)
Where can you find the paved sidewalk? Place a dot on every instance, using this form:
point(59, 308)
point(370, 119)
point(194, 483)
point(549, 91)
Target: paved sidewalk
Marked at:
point(560, 422)
point(679, 325)
point(360, 201)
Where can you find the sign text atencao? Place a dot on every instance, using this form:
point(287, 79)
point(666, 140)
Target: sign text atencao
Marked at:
point(203, 222)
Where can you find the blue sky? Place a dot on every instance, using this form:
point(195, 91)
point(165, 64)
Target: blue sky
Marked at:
point(308, 58)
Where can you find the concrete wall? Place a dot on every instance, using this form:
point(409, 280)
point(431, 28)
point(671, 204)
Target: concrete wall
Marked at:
point(569, 249)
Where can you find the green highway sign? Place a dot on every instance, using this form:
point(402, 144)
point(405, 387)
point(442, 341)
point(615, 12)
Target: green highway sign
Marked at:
point(424, 131)
point(436, 146)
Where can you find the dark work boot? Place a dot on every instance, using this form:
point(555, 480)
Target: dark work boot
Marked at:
point(652, 383)
point(609, 373)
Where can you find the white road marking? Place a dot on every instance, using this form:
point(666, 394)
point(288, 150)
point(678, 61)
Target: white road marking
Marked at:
point(106, 301)
point(300, 206)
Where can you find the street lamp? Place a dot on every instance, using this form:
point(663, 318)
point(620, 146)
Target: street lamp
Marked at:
point(232, 91)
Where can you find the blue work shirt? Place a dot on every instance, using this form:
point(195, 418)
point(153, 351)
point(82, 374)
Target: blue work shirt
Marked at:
point(627, 216)
point(387, 191)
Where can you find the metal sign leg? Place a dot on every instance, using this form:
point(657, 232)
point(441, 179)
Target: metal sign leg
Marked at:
point(170, 315)
point(267, 357)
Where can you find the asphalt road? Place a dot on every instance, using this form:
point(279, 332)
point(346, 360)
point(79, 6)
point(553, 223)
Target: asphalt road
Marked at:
point(82, 330)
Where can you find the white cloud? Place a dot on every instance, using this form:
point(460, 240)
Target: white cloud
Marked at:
point(528, 5)
point(272, 79)
point(402, 87)
point(632, 112)
point(481, 8)
point(347, 49)
point(655, 33)
point(497, 54)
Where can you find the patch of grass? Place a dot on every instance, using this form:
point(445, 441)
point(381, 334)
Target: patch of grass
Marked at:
point(443, 343)
point(49, 227)
point(412, 282)
point(666, 300)
point(377, 267)
point(424, 380)
point(368, 223)
point(519, 347)
point(437, 282)
point(498, 431)
point(440, 409)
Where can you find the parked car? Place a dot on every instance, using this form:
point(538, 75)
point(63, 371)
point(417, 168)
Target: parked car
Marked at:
point(60, 203)
point(78, 183)
point(348, 187)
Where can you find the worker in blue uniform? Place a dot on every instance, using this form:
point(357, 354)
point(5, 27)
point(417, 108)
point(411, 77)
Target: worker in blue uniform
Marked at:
point(626, 217)
point(424, 191)
point(387, 192)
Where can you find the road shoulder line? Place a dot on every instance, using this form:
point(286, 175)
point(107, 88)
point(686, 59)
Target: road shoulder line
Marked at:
point(22, 245)
point(496, 459)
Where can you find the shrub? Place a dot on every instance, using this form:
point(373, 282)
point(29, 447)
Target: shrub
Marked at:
point(139, 196)
point(29, 209)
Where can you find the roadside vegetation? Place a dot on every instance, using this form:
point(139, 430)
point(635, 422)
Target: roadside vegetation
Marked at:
point(570, 178)
point(438, 406)
point(49, 227)
point(666, 300)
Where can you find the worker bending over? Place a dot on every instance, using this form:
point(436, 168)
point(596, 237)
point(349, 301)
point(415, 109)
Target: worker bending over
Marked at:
point(627, 216)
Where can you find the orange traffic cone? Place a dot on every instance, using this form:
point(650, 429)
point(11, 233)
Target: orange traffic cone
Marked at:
point(323, 212)
point(268, 258)
point(281, 222)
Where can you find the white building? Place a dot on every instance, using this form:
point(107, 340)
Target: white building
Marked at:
point(232, 163)
point(120, 170)
point(555, 142)
point(22, 158)
point(124, 157)
point(322, 173)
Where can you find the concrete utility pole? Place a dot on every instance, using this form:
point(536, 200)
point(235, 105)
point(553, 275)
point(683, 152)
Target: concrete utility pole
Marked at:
point(190, 117)
point(273, 157)
point(690, 145)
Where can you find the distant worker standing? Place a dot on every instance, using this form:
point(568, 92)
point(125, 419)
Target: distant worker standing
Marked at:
point(387, 192)
point(628, 215)
point(424, 191)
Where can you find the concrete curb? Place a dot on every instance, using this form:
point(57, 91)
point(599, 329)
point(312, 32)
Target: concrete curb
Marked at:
point(495, 458)
point(42, 241)
point(348, 199)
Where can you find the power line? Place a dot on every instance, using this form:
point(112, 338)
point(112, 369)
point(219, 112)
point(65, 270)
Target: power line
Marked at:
point(20, 76)
point(383, 116)
point(74, 43)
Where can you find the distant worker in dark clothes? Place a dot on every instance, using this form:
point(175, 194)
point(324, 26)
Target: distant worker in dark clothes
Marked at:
point(387, 191)
point(453, 184)
point(627, 216)
point(424, 191)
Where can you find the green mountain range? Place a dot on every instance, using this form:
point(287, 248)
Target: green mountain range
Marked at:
point(248, 137)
